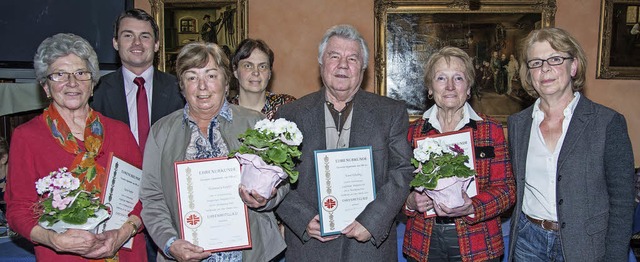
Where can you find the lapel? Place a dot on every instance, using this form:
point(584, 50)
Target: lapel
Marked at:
point(362, 120)
point(582, 115)
point(159, 96)
point(117, 99)
point(522, 133)
point(313, 117)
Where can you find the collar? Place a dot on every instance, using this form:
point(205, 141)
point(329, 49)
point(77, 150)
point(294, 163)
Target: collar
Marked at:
point(567, 112)
point(468, 114)
point(326, 100)
point(225, 112)
point(129, 76)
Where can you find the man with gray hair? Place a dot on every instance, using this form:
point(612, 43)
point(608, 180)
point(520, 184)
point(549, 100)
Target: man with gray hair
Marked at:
point(341, 115)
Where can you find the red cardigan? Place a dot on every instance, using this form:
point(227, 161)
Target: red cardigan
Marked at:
point(34, 153)
point(480, 238)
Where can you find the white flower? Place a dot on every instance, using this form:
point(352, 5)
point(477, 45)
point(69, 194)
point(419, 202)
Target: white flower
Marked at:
point(280, 126)
point(421, 155)
point(42, 185)
point(66, 182)
point(57, 182)
point(263, 125)
point(428, 147)
point(75, 183)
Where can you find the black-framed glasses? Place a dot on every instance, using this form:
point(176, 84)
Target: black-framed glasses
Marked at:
point(552, 61)
point(64, 76)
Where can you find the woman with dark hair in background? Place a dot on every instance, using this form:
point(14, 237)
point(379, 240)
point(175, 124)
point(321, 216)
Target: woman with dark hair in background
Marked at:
point(252, 66)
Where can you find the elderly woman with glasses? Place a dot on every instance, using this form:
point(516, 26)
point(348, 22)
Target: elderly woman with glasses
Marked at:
point(69, 134)
point(572, 160)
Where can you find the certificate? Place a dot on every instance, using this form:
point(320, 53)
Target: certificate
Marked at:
point(212, 214)
point(345, 186)
point(464, 139)
point(121, 193)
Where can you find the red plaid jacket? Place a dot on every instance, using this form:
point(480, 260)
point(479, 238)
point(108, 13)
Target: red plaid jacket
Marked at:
point(480, 238)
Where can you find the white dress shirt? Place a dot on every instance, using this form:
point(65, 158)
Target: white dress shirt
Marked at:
point(467, 115)
point(131, 90)
point(540, 175)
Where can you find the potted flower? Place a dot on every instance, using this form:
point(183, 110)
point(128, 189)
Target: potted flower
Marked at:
point(65, 204)
point(441, 172)
point(268, 154)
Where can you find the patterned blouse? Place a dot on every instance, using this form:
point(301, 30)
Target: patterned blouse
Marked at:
point(202, 146)
point(274, 101)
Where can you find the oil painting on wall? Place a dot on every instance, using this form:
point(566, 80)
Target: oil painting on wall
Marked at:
point(619, 45)
point(408, 34)
point(184, 21)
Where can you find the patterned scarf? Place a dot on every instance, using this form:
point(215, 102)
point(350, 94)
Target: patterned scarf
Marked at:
point(84, 166)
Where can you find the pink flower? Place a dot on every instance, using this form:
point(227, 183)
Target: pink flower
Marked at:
point(59, 202)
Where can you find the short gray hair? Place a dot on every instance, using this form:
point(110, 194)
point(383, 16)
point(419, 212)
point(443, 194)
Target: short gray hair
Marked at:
point(60, 45)
point(346, 32)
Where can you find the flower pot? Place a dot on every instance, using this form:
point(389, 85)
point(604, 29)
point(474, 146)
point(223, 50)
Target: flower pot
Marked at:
point(449, 191)
point(258, 175)
point(91, 225)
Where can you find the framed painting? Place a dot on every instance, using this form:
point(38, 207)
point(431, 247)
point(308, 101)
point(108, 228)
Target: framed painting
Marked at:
point(619, 40)
point(408, 32)
point(223, 22)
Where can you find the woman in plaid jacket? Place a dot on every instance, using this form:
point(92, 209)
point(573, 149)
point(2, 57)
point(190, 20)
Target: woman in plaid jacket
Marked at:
point(470, 232)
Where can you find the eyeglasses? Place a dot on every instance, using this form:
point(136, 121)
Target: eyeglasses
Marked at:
point(64, 76)
point(251, 67)
point(552, 61)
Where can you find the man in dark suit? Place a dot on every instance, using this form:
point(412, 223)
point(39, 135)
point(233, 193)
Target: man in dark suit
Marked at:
point(341, 115)
point(135, 37)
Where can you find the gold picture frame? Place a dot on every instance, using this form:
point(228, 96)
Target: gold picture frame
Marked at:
point(619, 40)
point(407, 32)
point(181, 21)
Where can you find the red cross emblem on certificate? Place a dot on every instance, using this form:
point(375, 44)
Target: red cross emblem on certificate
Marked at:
point(329, 203)
point(192, 219)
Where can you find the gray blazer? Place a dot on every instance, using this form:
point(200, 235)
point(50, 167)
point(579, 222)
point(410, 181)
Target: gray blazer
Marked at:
point(378, 122)
point(595, 182)
point(166, 144)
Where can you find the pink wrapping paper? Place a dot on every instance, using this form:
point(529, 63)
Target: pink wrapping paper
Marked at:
point(449, 191)
point(258, 176)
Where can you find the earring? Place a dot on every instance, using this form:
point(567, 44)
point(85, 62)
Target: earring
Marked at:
point(430, 96)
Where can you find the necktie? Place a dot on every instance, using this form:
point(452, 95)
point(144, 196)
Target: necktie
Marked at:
point(143, 113)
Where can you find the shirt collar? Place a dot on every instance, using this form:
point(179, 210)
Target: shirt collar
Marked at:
point(129, 76)
point(568, 111)
point(468, 114)
point(225, 112)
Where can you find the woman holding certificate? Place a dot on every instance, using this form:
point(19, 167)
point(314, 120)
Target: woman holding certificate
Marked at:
point(470, 232)
point(68, 134)
point(207, 127)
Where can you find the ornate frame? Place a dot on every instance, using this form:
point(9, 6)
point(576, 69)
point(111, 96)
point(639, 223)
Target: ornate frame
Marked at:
point(430, 12)
point(157, 11)
point(615, 42)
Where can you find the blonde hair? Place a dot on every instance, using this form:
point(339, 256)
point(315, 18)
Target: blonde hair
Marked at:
point(561, 41)
point(447, 53)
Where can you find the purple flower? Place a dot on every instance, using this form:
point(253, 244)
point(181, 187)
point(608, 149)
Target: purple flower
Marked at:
point(457, 149)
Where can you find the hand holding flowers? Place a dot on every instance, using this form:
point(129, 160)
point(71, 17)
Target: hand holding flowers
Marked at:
point(64, 199)
point(268, 154)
